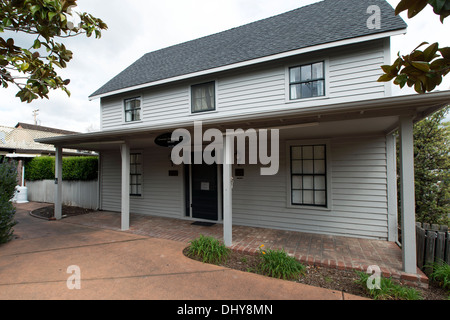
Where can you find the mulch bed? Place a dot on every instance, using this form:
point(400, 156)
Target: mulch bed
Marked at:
point(329, 278)
point(67, 211)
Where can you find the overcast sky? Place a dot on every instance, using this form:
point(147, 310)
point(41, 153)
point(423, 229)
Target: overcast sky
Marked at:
point(140, 26)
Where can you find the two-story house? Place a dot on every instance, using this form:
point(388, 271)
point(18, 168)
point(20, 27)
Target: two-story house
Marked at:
point(308, 76)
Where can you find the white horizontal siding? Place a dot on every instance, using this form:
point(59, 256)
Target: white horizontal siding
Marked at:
point(358, 195)
point(351, 74)
point(162, 195)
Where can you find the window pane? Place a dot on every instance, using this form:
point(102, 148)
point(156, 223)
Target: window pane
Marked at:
point(319, 152)
point(297, 166)
point(318, 88)
point(319, 166)
point(306, 90)
point(308, 197)
point(317, 70)
point(296, 153)
point(296, 91)
point(128, 116)
point(306, 73)
point(319, 182)
point(308, 182)
point(320, 198)
point(297, 182)
point(294, 75)
point(297, 197)
point(308, 152)
point(308, 166)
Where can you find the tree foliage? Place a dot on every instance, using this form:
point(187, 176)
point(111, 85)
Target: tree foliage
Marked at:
point(432, 168)
point(8, 182)
point(421, 69)
point(30, 69)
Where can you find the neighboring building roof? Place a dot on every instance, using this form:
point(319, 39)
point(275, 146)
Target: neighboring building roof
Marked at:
point(319, 23)
point(43, 129)
point(22, 139)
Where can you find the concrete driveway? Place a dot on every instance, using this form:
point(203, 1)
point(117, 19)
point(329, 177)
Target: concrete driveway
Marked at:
point(118, 265)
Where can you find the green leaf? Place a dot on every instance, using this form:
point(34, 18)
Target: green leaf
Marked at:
point(423, 66)
point(37, 44)
point(430, 52)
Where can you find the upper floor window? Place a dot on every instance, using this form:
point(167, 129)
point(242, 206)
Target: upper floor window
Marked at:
point(203, 97)
point(132, 109)
point(307, 81)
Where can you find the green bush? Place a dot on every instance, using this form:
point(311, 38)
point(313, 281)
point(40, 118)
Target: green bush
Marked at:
point(277, 264)
point(73, 168)
point(8, 182)
point(208, 250)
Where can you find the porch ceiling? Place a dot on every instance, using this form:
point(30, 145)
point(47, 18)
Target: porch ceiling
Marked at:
point(361, 117)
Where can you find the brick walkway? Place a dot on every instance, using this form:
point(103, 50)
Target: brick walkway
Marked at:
point(320, 250)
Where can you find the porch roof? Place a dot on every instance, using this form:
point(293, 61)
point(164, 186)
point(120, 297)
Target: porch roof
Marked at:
point(387, 110)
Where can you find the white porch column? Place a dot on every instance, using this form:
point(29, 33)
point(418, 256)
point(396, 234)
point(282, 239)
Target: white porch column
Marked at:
point(407, 195)
point(391, 156)
point(228, 191)
point(58, 183)
point(125, 218)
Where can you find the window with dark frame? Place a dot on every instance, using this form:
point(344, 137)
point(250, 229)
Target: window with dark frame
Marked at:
point(307, 81)
point(136, 174)
point(203, 97)
point(132, 109)
point(309, 175)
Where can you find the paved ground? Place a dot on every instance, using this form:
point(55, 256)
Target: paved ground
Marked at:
point(118, 265)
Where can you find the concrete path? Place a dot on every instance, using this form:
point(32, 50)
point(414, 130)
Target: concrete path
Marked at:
point(117, 265)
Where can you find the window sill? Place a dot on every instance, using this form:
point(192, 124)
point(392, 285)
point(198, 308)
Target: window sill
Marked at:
point(288, 101)
point(305, 207)
point(203, 112)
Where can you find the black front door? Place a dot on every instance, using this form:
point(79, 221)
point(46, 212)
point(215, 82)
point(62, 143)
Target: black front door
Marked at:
point(204, 192)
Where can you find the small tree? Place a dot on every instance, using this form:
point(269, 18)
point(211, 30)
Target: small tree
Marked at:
point(8, 182)
point(432, 168)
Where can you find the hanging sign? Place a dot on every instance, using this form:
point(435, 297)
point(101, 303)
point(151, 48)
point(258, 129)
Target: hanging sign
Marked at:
point(165, 140)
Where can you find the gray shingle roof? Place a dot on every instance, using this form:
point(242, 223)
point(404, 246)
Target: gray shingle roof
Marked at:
point(319, 23)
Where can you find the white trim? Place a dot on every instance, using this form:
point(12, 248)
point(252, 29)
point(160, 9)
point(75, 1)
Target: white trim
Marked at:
point(289, 144)
point(254, 61)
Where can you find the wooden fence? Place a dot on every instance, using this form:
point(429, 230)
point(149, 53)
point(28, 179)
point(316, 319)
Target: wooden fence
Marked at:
point(433, 244)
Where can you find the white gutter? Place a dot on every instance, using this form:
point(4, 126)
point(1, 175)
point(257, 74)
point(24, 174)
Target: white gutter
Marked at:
point(255, 61)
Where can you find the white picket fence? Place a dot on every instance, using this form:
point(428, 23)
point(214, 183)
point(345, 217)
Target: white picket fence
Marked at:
point(82, 194)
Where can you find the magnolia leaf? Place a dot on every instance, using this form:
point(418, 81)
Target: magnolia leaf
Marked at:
point(423, 66)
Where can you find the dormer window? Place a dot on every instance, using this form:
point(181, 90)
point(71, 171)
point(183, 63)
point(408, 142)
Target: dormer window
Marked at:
point(307, 81)
point(133, 109)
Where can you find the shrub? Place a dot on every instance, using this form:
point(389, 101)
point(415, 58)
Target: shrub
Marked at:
point(8, 182)
point(389, 290)
point(208, 250)
point(73, 168)
point(277, 264)
point(441, 274)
